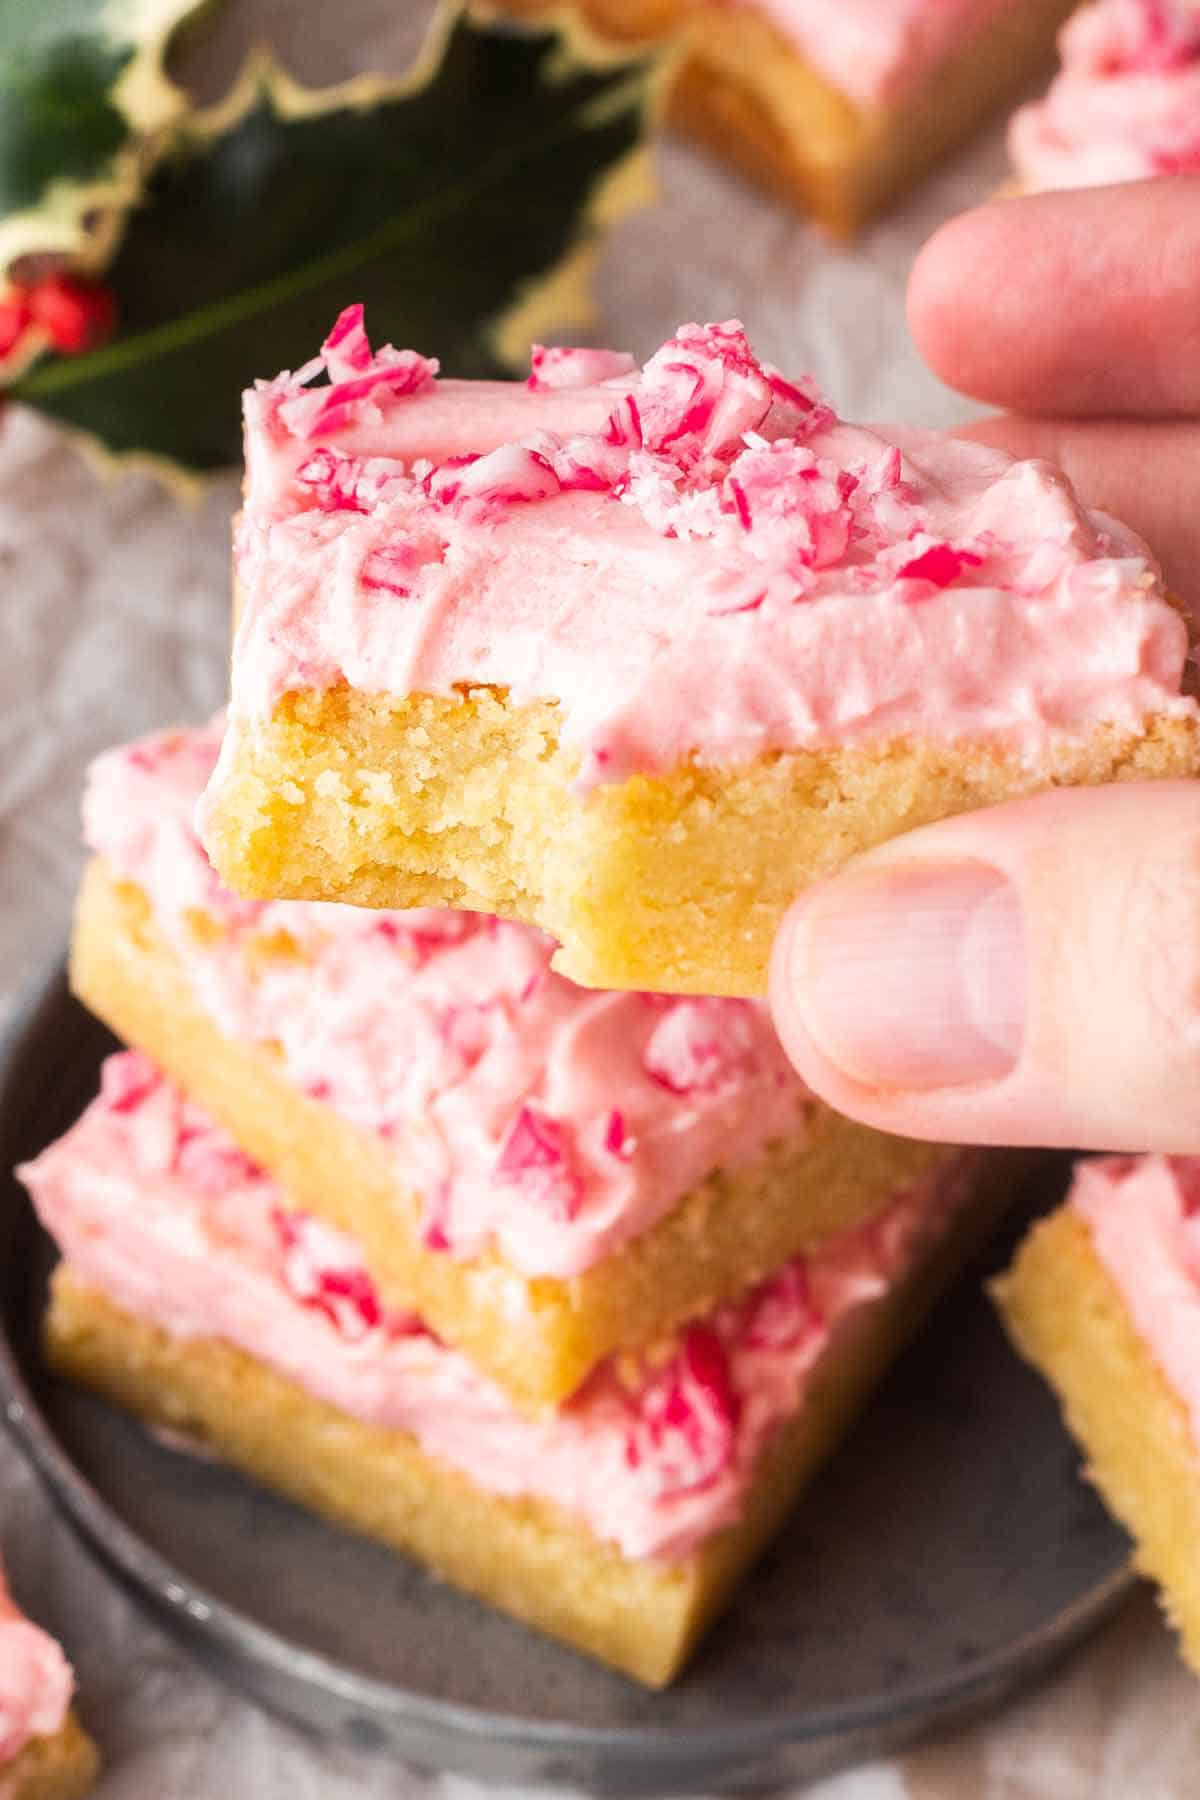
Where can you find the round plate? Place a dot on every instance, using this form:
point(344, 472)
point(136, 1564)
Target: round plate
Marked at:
point(947, 1553)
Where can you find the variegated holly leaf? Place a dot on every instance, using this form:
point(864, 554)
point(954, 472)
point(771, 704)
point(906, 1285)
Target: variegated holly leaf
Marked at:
point(454, 203)
point(82, 96)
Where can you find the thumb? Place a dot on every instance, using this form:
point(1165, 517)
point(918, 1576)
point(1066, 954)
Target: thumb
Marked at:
point(1029, 974)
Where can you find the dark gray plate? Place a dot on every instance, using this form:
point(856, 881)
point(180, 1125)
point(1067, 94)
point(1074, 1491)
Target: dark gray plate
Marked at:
point(948, 1553)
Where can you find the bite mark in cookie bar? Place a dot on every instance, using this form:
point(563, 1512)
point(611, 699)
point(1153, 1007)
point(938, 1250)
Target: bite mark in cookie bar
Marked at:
point(1104, 1300)
point(636, 660)
point(44, 1752)
point(1125, 105)
point(192, 1291)
point(550, 1123)
point(545, 1172)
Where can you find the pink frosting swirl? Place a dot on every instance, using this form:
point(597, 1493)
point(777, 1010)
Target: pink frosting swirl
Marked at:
point(1126, 103)
point(875, 50)
point(694, 560)
point(36, 1683)
point(1143, 1214)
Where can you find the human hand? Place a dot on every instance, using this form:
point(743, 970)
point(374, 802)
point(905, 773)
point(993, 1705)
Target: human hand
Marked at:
point(1030, 974)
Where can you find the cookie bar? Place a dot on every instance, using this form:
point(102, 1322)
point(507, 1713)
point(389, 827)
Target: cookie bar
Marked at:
point(634, 655)
point(545, 1172)
point(1104, 1300)
point(193, 1293)
point(839, 107)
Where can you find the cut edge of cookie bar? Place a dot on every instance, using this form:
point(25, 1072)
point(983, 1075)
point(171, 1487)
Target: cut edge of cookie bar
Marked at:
point(1067, 1317)
point(674, 883)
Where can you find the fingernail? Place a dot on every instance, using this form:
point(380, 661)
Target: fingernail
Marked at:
point(914, 976)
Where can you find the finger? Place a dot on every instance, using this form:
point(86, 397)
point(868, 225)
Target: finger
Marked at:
point(1145, 473)
point(1082, 304)
point(1029, 974)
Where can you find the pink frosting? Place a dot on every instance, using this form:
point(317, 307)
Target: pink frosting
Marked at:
point(694, 560)
point(1143, 1214)
point(155, 1207)
point(1126, 103)
point(552, 1121)
point(875, 50)
point(36, 1683)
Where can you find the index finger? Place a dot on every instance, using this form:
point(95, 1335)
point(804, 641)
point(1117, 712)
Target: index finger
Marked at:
point(1082, 304)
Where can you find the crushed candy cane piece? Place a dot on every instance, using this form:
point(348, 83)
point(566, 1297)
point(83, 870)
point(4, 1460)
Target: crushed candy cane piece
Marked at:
point(940, 564)
point(212, 1162)
point(780, 1311)
point(686, 1427)
point(535, 1158)
point(505, 477)
point(617, 1138)
point(346, 352)
point(700, 1046)
point(323, 1269)
point(564, 367)
point(128, 1079)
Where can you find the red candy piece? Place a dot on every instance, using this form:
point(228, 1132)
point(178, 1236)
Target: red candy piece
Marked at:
point(389, 570)
point(535, 1158)
point(505, 477)
point(941, 564)
point(466, 1032)
point(436, 1218)
point(343, 1292)
point(429, 929)
point(126, 1080)
point(702, 392)
point(346, 351)
point(334, 481)
point(211, 1163)
point(359, 379)
point(559, 367)
point(617, 1140)
point(780, 1312)
point(687, 1426)
point(699, 1046)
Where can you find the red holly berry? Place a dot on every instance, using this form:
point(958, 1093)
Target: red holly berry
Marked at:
point(76, 315)
point(14, 320)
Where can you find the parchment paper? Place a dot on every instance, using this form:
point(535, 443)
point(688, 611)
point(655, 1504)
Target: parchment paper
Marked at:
point(113, 609)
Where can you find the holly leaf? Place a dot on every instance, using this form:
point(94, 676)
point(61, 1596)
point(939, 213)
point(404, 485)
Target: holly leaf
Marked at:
point(459, 204)
point(82, 94)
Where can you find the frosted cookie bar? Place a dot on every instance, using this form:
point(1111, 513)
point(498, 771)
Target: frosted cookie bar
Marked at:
point(545, 1172)
point(634, 655)
point(1125, 104)
point(840, 107)
point(1104, 1299)
point(44, 1752)
point(192, 1293)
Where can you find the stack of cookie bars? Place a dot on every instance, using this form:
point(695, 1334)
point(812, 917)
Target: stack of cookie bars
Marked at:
point(563, 1290)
